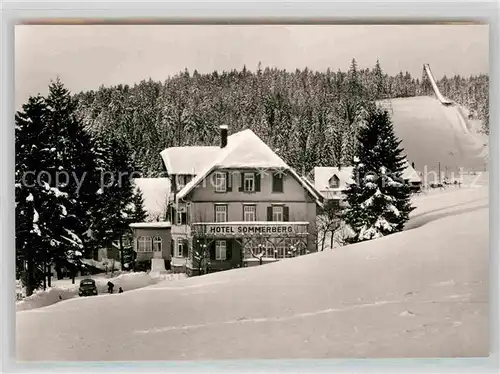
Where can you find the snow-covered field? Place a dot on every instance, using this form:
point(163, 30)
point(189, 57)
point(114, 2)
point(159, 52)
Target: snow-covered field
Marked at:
point(419, 293)
point(64, 289)
point(433, 133)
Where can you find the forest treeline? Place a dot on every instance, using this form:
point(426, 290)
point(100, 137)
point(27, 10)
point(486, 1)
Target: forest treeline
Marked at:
point(309, 118)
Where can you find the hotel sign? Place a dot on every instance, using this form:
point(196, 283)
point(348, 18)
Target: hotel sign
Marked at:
point(249, 229)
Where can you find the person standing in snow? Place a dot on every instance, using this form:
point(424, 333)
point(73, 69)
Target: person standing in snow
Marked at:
point(110, 287)
point(120, 290)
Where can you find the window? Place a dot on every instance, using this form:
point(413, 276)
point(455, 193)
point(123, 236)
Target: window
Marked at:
point(157, 244)
point(180, 248)
point(220, 249)
point(249, 182)
point(220, 213)
point(334, 182)
point(277, 213)
point(249, 213)
point(181, 181)
point(277, 182)
point(144, 244)
point(181, 218)
point(282, 249)
point(220, 182)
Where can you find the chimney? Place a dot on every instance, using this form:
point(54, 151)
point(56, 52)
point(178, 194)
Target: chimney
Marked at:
point(223, 136)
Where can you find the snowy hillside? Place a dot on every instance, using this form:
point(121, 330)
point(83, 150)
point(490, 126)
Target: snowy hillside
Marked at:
point(432, 133)
point(419, 293)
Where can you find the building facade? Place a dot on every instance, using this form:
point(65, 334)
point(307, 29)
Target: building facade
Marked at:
point(152, 240)
point(237, 205)
point(332, 181)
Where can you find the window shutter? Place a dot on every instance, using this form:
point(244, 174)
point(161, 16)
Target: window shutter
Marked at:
point(229, 181)
point(242, 181)
point(212, 250)
point(285, 214)
point(269, 213)
point(184, 218)
point(229, 249)
point(185, 248)
point(257, 182)
point(172, 246)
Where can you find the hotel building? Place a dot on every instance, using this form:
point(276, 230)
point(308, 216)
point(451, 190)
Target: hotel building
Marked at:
point(236, 205)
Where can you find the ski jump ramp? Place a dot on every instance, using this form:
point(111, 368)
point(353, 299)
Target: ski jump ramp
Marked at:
point(440, 97)
point(435, 133)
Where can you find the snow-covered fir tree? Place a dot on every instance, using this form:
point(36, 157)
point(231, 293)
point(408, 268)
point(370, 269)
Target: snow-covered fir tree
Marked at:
point(379, 199)
point(378, 87)
point(32, 199)
point(114, 207)
point(76, 155)
point(139, 213)
point(46, 209)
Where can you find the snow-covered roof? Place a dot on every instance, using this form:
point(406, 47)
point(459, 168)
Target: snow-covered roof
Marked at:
point(188, 160)
point(411, 174)
point(148, 225)
point(311, 185)
point(155, 192)
point(245, 150)
point(322, 176)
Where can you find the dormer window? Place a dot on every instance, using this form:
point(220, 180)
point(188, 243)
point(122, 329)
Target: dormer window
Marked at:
point(181, 181)
point(220, 182)
point(334, 182)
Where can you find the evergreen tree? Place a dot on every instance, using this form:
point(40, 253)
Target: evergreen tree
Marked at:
point(46, 217)
point(31, 197)
point(378, 82)
point(485, 115)
point(379, 199)
point(354, 84)
point(77, 156)
point(139, 212)
point(115, 197)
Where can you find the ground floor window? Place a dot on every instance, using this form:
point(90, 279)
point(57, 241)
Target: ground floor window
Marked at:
point(144, 244)
point(220, 249)
point(277, 248)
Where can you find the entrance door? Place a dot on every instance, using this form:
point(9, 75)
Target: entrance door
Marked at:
point(157, 247)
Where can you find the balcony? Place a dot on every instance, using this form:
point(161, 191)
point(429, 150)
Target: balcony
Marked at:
point(246, 229)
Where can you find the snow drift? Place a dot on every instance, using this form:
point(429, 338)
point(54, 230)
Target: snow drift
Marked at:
point(128, 282)
point(419, 293)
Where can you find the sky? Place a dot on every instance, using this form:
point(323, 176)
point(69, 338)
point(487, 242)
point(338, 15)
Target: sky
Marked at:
point(85, 57)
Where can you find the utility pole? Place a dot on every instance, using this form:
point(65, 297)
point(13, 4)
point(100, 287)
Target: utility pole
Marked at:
point(439, 172)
